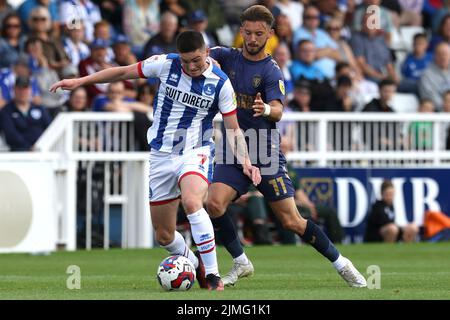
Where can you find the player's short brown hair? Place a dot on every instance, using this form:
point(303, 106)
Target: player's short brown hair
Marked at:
point(386, 185)
point(258, 13)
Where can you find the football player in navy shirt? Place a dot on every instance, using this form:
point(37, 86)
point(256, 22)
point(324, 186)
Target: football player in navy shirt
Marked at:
point(259, 87)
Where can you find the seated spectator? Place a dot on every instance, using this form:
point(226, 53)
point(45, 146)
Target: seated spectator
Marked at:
point(102, 31)
point(77, 102)
point(140, 22)
point(22, 121)
point(24, 11)
point(375, 135)
point(415, 64)
point(45, 77)
point(283, 31)
point(334, 28)
point(343, 101)
point(381, 226)
point(327, 53)
point(11, 41)
point(8, 78)
point(387, 89)
point(164, 40)
point(435, 80)
point(115, 101)
point(421, 132)
point(123, 56)
point(362, 90)
point(74, 46)
point(40, 27)
point(71, 11)
point(95, 62)
point(372, 53)
point(304, 68)
point(282, 56)
point(198, 21)
point(386, 25)
point(301, 100)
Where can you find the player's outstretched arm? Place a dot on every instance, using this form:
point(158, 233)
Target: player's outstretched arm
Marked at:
point(272, 110)
point(239, 147)
point(103, 76)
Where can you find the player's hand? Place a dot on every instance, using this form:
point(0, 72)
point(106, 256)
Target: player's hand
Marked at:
point(253, 173)
point(258, 106)
point(66, 84)
point(215, 62)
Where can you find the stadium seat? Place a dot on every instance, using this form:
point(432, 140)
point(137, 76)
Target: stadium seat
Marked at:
point(407, 35)
point(405, 102)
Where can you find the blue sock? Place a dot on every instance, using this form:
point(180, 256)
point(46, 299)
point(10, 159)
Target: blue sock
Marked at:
point(319, 240)
point(226, 231)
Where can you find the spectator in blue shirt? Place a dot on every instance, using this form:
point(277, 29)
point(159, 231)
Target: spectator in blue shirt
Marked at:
point(116, 101)
point(23, 122)
point(414, 64)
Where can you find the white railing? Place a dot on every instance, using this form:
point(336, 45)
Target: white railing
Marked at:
point(90, 142)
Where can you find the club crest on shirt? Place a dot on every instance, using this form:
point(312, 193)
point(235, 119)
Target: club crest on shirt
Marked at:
point(209, 89)
point(36, 114)
point(281, 85)
point(256, 81)
point(232, 74)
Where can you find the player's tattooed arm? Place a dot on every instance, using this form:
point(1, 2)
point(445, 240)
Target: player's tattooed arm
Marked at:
point(272, 110)
point(236, 139)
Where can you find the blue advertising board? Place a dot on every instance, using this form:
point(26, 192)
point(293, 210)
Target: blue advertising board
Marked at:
point(352, 191)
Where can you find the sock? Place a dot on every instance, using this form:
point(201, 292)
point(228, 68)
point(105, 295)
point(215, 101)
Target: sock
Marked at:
point(340, 262)
point(227, 234)
point(179, 247)
point(319, 240)
point(203, 233)
point(242, 259)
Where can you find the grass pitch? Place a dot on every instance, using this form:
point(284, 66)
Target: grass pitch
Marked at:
point(408, 271)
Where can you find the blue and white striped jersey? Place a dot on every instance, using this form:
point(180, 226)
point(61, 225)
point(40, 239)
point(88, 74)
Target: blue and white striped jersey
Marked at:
point(184, 107)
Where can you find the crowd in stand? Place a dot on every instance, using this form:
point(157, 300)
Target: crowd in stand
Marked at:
point(336, 55)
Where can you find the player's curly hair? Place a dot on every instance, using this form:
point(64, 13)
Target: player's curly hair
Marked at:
point(258, 13)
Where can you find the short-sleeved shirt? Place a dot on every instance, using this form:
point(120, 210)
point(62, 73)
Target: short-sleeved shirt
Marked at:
point(102, 100)
point(184, 107)
point(249, 78)
point(374, 50)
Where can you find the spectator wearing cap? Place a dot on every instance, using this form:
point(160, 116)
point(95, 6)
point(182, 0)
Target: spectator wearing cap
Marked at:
point(198, 21)
point(8, 77)
point(95, 62)
point(11, 41)
point(74, 11)
point(74, 46)
point(141, 21)
point(124, 57)
point(25, 9)
point(22, 121)
point(102, 30)
point(165, 40)
point(41, 25)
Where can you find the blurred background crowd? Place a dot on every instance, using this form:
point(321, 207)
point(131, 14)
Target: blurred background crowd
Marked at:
point(336, 56)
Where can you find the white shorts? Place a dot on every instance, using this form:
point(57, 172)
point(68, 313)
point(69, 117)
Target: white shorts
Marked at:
point(167, 170)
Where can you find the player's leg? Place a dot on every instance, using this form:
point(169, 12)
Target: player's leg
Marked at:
point(164, 201)
point(229, 183)
point(193, 184)
point(287, 212)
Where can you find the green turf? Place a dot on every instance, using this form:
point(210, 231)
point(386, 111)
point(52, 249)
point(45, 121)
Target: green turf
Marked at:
point(417, 271)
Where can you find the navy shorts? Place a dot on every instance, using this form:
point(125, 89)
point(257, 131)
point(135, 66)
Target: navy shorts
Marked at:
point(274, 187)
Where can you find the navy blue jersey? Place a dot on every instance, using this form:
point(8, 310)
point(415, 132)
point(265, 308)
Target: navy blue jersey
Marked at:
point(248, 78)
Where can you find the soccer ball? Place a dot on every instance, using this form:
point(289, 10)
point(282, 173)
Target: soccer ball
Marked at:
point(176, 273)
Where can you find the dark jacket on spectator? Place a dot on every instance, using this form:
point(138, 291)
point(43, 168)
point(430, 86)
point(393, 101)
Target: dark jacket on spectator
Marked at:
point(23, 130)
